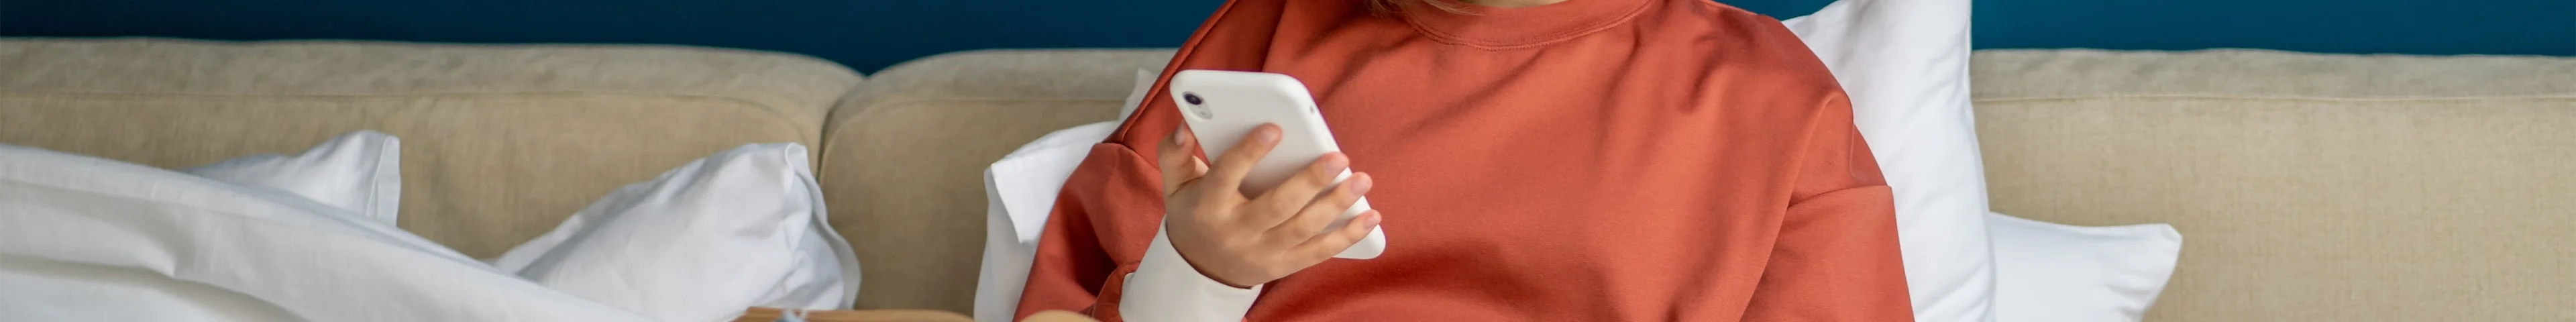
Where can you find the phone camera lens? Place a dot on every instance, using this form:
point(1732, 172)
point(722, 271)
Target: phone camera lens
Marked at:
point(1193, 98)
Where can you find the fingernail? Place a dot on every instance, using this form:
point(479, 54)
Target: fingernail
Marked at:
point(1360, 184)
point(1336, 162)
point(1267, 134)
point(1374, 217)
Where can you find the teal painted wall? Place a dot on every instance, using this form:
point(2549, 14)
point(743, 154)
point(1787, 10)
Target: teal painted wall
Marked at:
point(871, 34)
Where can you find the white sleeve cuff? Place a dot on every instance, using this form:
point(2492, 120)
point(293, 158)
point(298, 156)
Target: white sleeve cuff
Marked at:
point(1165, 288)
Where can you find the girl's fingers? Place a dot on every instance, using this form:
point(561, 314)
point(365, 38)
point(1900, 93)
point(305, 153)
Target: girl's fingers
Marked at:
point(1299, 190)
point(1228, 173)
point(1178, 163)
point(1316, 215)
point(1323, 247)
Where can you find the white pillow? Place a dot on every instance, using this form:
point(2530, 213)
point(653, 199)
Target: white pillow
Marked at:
point(2052, 272)
point(1904, 64)
point(741, 228)
point(1019, 194)
point(359, 171)
point(89, 239)
point(1136, 92)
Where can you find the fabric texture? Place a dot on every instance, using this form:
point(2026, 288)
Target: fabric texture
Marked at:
point(1905, 65)
point(501, 142)
point(2314, 187)
point(355, 172)
point(744, 227)
point(360, 171)
point(1031, 175)
point(91, 239)
point(904, 158)
point(1469, 168)
point(1021, 190)
point(1011, 242)
point(2052, 272)
point(1164, 287)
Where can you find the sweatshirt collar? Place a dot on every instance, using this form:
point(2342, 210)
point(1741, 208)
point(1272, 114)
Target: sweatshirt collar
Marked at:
point(1512, 28)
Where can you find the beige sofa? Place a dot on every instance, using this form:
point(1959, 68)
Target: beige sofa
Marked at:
point(2308, 187)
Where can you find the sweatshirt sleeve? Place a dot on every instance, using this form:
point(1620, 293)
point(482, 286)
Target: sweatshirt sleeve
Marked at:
point(1102, 252)
point(1166, 288)
point(1836, 257)
point(1089, 259)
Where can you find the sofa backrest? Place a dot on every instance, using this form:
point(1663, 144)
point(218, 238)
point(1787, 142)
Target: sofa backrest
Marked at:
point(500, 143)
point(904, 160)
point(2306, 187)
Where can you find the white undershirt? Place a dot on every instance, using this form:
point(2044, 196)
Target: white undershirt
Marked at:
point(1165, 288)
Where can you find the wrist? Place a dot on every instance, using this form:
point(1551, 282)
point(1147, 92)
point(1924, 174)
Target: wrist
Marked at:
point(1165, 288)
point(1202, 270)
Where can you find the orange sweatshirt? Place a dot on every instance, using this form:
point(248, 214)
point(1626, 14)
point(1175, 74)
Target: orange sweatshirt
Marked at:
point(1591, 160)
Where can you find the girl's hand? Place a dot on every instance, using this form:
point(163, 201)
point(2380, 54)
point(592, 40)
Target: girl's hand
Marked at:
point(1250, 240)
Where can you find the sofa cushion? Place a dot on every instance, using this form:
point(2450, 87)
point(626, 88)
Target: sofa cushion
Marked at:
point(500, 143)
point(903, 161)
point(2314, 187)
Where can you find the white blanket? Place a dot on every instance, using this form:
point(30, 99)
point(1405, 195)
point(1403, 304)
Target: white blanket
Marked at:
point(88, 239)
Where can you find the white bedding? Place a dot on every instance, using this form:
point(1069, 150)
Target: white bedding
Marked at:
point(89, 239)
point(741, 228)
point(359, 171)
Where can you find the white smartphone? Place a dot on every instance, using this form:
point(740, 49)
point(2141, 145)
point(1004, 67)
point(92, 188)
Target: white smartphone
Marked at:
point(1222, 106)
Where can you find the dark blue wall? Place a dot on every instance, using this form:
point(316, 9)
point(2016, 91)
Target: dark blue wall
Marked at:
point(871, 34)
